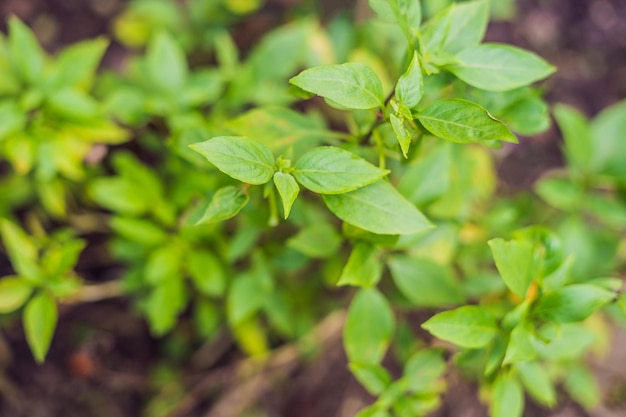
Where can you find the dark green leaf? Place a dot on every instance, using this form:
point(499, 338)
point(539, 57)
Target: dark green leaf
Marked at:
point(364, 268)
point(225, 204)
point(572, 303)
point(332, 170)
point(424, 282)
point(499, 67)
point(239, 157)
point(467, 326)
point(369, 327)
point(462, 121)
point(353, 85)
point(514, 260)
point(378, 208)
point(40, 320)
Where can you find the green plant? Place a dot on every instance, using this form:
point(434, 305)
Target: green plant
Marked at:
point(244, 199)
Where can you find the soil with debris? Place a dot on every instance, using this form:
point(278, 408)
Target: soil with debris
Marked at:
point(103, 362)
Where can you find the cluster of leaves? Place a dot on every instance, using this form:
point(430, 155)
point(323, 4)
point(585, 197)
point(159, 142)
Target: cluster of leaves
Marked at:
point(407, 213)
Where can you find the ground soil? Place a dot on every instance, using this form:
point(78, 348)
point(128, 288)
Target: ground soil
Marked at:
point(103, 361)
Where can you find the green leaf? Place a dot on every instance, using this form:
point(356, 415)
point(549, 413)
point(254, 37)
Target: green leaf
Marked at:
point(459, 27)
point(521, 347)
point(408, 14)
point(462, 121)
point(373, 377)
point(572, 303)
point(246, 296)
point(40, 320)
point(163, 264)
point(423, 369)
point(528, 116)
point(76, 65)
point(28, 57)
point(378, 208)
point(206, 272)
point(164, 304)
point(14, 291)
point(424, 282)
point(280, 128)
point(118, 194)
point(22, 251)
point(608, 150)
point(621, 302)
point(383, 10)
point(499, 67)
point(577, 136)
point(428, 176)
point(514, 260)
point(468, 326)
point(319, 240)
point(239, 157)
point(225, 204)
point(561, 193)
point(373, 411)
point(287, 189)
point(537, 382)
point(166, 63)
point(364, 268)
point(74, 105)
point(332, 170)
point(402, 134)
point(507, 397)
point(353, 85)
point(410, 86)
point(582, 386)
point(59, 259)
point(141, 231)
point(369, 327)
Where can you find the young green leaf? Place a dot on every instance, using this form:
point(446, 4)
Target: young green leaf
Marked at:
point(459, 27)
point(402, 134)
point(332, 170)
point(462, 121)
point(225, 204)
point(408, 14)
point(287, 189)
point(537, 382)
point(14, 291)
point(424, 282)
point(373, 377)
point(577, 136)
point(369, 327)
point(582, 386)
point(353, 85)
point(410, 86)
point(514, 260)
point(468, 326)
point(364, 268)
point(21, 249)
point(239, 157)
point(378, 208)
point(507, 397)
point(521, 347)
point(166, 63)
point(423, 369)
point(572, 303)
point(40, 320)
point(498, 67)
point(76, 65)
point(28, 57)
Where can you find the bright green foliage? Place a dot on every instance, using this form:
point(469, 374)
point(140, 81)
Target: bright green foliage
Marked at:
point(387, 185)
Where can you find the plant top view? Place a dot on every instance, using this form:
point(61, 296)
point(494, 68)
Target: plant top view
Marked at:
point(259, 209)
